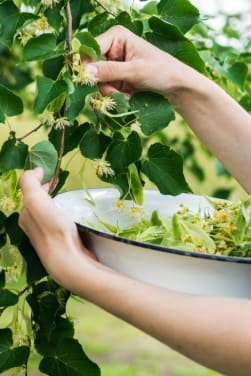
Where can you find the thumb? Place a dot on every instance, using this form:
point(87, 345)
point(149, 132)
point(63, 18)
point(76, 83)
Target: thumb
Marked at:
point(109, 71)
point(31, 179)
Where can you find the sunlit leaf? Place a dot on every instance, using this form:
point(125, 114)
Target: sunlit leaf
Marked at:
point(181, 13)
point(43, 154)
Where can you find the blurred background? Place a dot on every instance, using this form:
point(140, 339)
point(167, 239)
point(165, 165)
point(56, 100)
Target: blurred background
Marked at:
point(117, 347)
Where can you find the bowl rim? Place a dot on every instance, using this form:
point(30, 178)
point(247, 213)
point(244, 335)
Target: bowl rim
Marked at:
point(159, 248)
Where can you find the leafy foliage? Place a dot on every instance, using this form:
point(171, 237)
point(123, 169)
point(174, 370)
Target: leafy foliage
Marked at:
point(125, 139)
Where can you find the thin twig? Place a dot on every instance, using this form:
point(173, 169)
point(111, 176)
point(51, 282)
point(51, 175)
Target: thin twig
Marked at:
point(63, 110)
point(105, 9)
point(69, 26)
point(59, 162)
point(30, 132)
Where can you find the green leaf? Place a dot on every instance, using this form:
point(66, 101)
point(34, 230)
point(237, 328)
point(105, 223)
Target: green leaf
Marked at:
point(76, 101)
point(47, 91)
point(12, 155)
point(2, 278)
point(89, 45)
point(170, 39)
point(54, 17)
point(11, 104)
point(63, 175)
point(43, 154)
point(47, 309)
point(63, 329)
point(69, 359)
point(100, 24)
point(150, 8)
point(34, 269)
point(124, 151)
point(10, 356)
point(136, 186)
point(180, 13)
point(155, 112)
point(122, 102)
point(3, 238)
point(40, 48)
point(7, 298)
point(52, 67)
point(13, 229)
point(238, 73)
point(78, 9)
point(245, 102)
point(16, 79)
point(121, 181)
point(9, 17)
point(73, 134)
point(25, 18)
point(93, 143)
point(165, 169)
point(125, 20)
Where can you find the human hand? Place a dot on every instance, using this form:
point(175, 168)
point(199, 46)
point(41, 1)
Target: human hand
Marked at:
point(53, 235)
point(132, 64)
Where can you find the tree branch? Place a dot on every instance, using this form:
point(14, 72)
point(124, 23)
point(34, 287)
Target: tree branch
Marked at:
point(105, 9)
point(63, 110)
point(29, 133)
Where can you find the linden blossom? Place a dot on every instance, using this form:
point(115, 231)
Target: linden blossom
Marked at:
point(79, 74)
point(49, 3)
point(103, 168)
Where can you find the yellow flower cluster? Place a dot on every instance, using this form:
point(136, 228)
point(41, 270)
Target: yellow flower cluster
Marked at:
point(103, 168)
point(103, 104)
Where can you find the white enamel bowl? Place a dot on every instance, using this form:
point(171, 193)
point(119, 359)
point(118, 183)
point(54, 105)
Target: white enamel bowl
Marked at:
point(176, 269)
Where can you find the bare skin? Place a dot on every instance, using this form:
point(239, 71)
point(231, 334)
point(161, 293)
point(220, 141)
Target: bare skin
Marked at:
point(216, 331)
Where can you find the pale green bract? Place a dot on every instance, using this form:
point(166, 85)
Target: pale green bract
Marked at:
point(226, 231)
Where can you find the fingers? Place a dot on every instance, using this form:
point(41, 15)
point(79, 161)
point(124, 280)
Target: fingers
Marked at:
point(31, 179)
point(110, 38)
point(110, 71)
point(35, 196)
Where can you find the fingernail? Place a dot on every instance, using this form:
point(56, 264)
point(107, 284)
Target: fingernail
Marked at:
point(92, 69)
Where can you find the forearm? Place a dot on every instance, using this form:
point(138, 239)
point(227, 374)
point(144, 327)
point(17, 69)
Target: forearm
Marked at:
point(212, 331)
point(221, 124)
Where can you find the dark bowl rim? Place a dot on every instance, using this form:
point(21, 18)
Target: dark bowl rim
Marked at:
point(159, 248)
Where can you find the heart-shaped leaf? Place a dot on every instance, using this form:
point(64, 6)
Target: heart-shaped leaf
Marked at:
point(12, 155)
point(43, 154)
point(180, 13)
point(11, 104)
point(124, 150)
point(10, 356)
point(165, 169)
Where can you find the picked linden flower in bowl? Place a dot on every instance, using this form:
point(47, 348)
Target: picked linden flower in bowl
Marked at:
point(187, 243)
